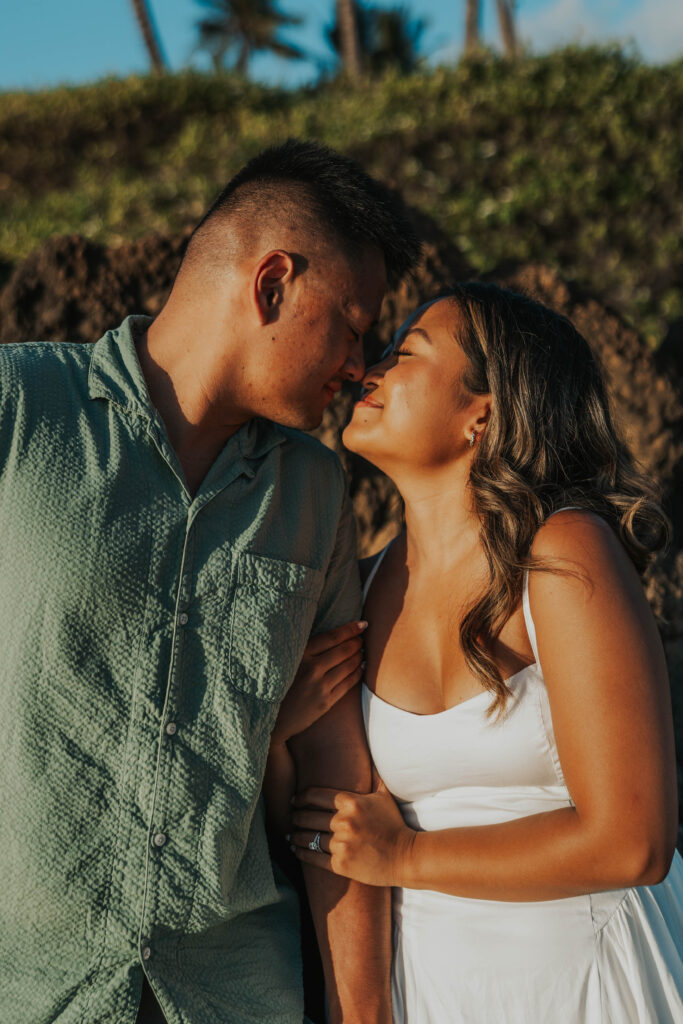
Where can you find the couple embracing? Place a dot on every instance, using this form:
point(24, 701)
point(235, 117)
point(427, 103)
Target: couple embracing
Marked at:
point(472, 758)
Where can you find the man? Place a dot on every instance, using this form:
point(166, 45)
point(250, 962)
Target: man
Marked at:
point(168, 545)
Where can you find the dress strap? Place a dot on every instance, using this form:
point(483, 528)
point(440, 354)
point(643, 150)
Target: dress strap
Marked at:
point(530, 627)
point(373, 571)
point(526, 606)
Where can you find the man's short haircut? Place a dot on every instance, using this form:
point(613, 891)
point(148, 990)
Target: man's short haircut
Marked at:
point(323, 191)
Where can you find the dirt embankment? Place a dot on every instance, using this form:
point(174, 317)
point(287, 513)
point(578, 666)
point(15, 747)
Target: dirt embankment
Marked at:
point(72, 289)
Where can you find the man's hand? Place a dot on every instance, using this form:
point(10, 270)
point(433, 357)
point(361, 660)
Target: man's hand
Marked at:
point(332, 664)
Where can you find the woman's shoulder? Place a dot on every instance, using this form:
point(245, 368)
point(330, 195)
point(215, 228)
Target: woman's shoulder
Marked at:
point(578, 535)
point(588, 553)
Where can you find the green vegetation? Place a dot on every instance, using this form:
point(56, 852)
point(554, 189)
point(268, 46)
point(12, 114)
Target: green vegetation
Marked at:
point(571, 159)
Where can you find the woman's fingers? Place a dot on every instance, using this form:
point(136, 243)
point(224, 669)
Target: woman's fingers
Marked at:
point(318, 821)
point(301, 840)
point(336, 675)
point(319, 797)
point(336, 656)
point(334, 637)
point(338, 691)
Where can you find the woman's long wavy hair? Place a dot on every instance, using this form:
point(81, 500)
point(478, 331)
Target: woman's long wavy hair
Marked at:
point(550, 442)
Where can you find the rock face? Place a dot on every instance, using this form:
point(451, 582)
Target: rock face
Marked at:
point(73, 289)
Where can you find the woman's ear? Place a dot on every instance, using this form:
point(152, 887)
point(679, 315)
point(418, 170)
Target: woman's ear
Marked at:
point(274, 272)
point(478, 418)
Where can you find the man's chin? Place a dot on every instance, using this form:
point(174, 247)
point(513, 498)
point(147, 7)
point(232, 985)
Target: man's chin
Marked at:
point(300, 419)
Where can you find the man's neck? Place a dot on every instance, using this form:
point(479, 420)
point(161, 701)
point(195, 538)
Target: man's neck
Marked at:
point(197, 430)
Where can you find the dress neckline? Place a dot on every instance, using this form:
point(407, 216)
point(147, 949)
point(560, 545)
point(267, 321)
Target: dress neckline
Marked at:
point(453, 707)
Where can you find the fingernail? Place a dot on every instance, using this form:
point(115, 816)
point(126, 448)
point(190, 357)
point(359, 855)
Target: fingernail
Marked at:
point(362, 666)
point(362, 625)
point(293, 848)
point(288, 837)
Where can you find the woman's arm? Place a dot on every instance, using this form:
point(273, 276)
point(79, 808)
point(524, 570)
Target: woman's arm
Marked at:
point(331, 665)
point(606, 677)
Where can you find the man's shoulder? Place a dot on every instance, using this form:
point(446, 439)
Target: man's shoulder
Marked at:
point(23, 359)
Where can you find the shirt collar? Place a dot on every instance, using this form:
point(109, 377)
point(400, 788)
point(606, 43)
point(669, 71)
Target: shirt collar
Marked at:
point(115, 374)
point(115, 371)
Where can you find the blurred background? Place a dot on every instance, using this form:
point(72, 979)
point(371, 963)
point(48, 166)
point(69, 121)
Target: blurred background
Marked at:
point(538, 143)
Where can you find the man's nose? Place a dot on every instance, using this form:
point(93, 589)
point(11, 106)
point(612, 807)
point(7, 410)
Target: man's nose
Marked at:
point(355, 364)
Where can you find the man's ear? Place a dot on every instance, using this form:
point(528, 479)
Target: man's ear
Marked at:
point(273, 272)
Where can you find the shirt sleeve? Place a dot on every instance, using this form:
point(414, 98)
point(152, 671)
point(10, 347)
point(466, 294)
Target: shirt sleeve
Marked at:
point(341, 600)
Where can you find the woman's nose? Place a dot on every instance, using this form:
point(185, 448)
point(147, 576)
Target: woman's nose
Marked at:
point(375, 373)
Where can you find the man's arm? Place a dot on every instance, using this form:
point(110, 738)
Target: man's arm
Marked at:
point(352, 921)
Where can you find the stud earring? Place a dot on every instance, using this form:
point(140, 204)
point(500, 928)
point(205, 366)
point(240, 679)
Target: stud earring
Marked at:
point(473, 438)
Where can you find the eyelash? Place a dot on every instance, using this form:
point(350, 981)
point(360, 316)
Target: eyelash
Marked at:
point(402, 352)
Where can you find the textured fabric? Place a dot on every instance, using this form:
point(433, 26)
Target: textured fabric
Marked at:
point(603, 958)
point(147, 638)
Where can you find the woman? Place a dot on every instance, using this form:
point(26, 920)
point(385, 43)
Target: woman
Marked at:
point(515, 698)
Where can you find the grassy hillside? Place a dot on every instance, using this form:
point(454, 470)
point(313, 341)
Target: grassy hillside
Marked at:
point(572, 159)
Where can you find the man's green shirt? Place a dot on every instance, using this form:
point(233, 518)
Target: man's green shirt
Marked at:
point(147, 638)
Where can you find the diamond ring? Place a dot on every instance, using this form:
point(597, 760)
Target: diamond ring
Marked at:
point(315, 844)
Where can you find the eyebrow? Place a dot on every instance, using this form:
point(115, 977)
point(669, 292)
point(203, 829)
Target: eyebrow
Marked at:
point(417, 330)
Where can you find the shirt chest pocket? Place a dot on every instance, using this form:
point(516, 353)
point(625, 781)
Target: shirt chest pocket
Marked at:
point(273, 609)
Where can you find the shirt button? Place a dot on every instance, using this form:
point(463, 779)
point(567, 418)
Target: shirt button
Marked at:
point(159, 839)
point(146, 953)
point(182, 618)
point(171, 728)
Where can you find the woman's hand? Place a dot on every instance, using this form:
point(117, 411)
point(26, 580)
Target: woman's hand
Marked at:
point(331, 665)
point(362, 837)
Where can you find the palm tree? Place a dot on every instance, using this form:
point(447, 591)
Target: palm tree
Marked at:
point(506, 20)
point(385, 37)
point(348, 37)
point(236, 29)
point(395, 39)
point(472, 27)
point(149, 34)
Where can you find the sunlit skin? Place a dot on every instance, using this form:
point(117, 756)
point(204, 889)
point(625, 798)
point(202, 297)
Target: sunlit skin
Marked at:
point(275, 333)
point(602, 661)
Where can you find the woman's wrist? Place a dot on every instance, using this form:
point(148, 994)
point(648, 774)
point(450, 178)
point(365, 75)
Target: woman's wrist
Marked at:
point(405, 859)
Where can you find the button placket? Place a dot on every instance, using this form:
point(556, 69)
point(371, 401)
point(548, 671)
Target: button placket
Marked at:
point(155, 872)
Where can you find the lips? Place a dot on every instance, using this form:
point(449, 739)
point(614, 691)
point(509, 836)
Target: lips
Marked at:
point(369, 403)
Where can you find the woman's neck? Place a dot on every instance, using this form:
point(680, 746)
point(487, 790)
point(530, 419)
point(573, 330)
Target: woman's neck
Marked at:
point(442, 527)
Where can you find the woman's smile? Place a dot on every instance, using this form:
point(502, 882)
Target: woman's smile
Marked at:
point(369, 402)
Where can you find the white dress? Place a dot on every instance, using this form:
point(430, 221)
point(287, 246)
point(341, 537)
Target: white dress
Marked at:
point(605, 958)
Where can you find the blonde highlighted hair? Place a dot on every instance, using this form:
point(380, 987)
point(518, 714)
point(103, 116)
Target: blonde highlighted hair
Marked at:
point(550, 442)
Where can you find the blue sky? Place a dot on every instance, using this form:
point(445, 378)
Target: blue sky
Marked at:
point(48, 42)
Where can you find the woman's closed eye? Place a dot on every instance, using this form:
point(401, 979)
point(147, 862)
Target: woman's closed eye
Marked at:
point(402, 352)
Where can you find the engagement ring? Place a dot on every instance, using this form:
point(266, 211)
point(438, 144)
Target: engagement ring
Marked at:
point(315, 844)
